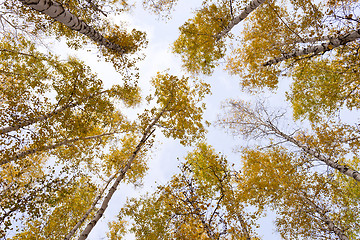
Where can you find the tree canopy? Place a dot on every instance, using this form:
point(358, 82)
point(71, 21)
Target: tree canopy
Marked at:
point(70, 139)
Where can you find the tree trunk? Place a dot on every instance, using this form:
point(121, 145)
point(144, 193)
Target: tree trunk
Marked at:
point(340, 167)
point(147, 133)
point(248, 9)
point(87, 213)
point(329, 223)
point(56, 11)
point(316, 49)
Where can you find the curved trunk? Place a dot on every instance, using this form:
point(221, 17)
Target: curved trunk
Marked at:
point(56, 11)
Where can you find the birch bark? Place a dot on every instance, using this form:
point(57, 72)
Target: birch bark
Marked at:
point(56, 11)
point(316, 49)
point(329, 223)
point(340, 167)
point(248, 9)
point(88, 212)
point(263, 124)
point(121, 174)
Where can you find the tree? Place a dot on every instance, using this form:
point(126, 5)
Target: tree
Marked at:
point(116, 44)
point(201, 42)
point(177, 114)
point(62, 114)
point(197, 203)
point(292, 39)
point(67, 144)
point(33, 122)
point(329, 144)
point(56, 11)
point(310, 205)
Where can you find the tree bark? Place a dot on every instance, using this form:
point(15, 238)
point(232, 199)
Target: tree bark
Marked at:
point(265, 125)
point(340, 167)
point(87, 213)
point(248, 9)
point(316, 49)
point(329, 223)
point(56, 11)
point(121, 174)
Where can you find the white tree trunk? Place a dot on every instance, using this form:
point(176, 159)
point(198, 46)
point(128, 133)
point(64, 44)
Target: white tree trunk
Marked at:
point(56, 11)
point(331, 163)
point(88, 212)
point(327, 220)
point(259, 120)
point(121, 174)
point(316, 49)
point(248, 9)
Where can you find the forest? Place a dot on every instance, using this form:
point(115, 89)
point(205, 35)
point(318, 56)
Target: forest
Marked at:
point(168, 119)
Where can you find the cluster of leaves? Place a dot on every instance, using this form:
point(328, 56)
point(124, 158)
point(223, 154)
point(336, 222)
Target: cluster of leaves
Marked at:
point(280, 39)
point(195, 204)
point(181, 98)
point(57, 113)
point(197, 43)
point(305, 201)
point(63, 116)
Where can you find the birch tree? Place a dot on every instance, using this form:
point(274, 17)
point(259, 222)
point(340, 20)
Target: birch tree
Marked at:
point(51, 110)
point(81, 109)
point(176, 111)
point(197, 203)
point(277, 40)
point(78, 23)
point(309, 205)
point(281, 40)
point(177, 114)
point(56, 11)
point(201, 42)
point(329, 144)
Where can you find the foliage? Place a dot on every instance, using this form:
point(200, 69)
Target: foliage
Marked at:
point(324, 86)
point(181, 98)
point(197, 43)
point(288, 32)
point(302, 199)
point(195, 204)
point(66, 143)
point(69, 205)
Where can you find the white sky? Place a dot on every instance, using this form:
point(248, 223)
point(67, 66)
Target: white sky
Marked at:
point(163, 163)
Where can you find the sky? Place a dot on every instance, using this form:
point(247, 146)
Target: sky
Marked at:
point(164, 159)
